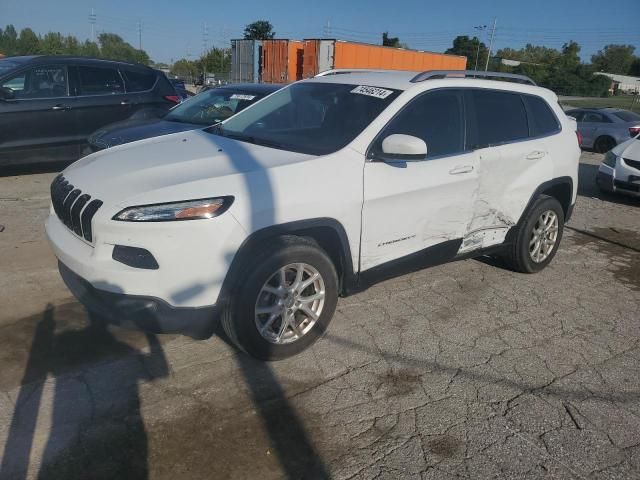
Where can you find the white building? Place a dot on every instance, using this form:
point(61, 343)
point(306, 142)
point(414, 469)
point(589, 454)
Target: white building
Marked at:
point(624, 83)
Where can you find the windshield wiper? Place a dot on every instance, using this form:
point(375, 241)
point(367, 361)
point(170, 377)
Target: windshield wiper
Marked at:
point(254, 140)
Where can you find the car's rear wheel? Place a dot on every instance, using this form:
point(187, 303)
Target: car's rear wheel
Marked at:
point(286, 300)
point(603, 144)
point(538, 236)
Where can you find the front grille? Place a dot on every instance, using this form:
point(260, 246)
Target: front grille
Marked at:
point(632, 163)
point(74, 208)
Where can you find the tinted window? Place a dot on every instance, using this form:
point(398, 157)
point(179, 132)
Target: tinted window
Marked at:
point(577, 114)
point(434, 117)
point(541, 118)
point(595, 117)
point(138, 81)
point(627, 116)
point(47, 81)
point(500, 117)
point(99, 81)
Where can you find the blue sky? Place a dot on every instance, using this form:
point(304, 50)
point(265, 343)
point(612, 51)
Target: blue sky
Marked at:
point(174, 29)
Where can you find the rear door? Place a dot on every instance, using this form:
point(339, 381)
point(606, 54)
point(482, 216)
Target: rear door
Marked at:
point(411, 206)
point(514, 158)
point(591, 126)
point(144, 89)
point(101, 97)
point(38, 124)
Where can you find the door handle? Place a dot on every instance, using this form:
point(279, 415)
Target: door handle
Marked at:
point(125, 102)
point(461, 169)
point(536, 155)
point(60, 107)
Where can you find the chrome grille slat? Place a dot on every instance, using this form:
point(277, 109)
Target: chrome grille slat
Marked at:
point(73, 208)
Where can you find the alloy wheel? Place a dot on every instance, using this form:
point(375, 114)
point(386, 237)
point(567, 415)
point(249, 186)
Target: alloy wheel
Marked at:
point(543, 236)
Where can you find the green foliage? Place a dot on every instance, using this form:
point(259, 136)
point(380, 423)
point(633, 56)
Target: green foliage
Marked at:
point(216, 61)
point(388, 41)
point(28, 42)
point(472, 48)
point(259, 30)
point(615, 59)
point(110, 45)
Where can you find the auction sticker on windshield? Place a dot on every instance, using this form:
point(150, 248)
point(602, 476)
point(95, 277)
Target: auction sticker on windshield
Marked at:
point(241, 96)
point(372, 91)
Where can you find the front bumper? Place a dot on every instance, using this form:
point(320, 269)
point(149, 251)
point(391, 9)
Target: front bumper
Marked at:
point(607, 180)
point(141, 312)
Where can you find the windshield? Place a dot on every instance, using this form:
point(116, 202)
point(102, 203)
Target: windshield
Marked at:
point(212, 106)
point(309, 117)
point(627, 116)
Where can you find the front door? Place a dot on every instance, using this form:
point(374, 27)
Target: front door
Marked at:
point(411, 206)
point(37, 120)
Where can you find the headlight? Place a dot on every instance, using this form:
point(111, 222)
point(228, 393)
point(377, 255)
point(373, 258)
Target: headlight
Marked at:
point(610, 159)
point(165, 212)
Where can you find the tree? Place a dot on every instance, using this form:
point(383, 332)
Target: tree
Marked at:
point(72, 46)
point(468, 47)
point(89, 49)
point(53, 44)
point(635, 67)
point(388, 41)
point(113, 47)
point(259, 30)
point(614, 59)
point(8, 41)
point(28, 42)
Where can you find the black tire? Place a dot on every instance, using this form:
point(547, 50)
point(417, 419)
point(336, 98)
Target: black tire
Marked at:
point(603, 144)
point(518, 257)
point(238, 319)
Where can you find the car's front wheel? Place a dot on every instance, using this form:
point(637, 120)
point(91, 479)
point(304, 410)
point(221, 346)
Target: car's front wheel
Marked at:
point(286, 299)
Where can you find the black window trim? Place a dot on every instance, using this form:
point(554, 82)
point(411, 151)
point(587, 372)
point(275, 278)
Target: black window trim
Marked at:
point(369, 155)
point(32, 66)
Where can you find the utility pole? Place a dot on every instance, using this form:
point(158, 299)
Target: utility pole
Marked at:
point(139, 25)
point(480, 28)
point(327, 29)
point(493, 32)
point(92, 21)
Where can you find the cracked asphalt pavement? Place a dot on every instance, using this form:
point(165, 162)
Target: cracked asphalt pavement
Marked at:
point(463, 370)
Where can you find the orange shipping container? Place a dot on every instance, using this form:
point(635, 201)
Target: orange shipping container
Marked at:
point(281, 61)
point(322, 55)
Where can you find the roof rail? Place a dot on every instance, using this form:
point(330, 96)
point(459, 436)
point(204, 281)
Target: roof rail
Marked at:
point(432, 74)
point(340, 71)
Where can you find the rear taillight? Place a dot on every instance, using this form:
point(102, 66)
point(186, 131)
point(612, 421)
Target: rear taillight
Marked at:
point(580, 138)
point(633, 131)
point(172, 98)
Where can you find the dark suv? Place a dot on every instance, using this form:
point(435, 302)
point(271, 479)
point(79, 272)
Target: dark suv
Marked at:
point(50, 104)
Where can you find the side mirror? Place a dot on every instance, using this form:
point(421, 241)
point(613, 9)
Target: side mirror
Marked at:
point(403, 148)
point(6, 94)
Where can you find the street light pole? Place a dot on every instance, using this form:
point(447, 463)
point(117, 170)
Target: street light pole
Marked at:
point(480, 28)
point(493, 32)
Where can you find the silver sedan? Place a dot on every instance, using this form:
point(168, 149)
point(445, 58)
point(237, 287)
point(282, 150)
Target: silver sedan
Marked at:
point(604, 128)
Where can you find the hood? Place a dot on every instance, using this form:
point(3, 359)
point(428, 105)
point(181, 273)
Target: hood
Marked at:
point(137, 129)
point(629, 149)
point(162, 168)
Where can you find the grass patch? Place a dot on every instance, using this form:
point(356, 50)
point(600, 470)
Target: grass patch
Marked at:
point(616, 102)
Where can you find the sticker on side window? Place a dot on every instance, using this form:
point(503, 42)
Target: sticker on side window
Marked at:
point(241, 96)
point(372, 91)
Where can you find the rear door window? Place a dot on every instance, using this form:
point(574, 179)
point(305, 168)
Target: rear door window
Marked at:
point(594, 117)
point(139, 81)
point(99, 81)
point(542, 120)
point(500, 117)
point(46, 81)
point(434, 117)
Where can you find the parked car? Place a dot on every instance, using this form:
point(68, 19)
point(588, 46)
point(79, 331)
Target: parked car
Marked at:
point(180, 88)
point(207, 108)
point(318, 190)
point(50, 104)
point(620, 169)
point(604, 128)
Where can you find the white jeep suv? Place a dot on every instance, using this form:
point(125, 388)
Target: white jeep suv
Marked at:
point(313, 192)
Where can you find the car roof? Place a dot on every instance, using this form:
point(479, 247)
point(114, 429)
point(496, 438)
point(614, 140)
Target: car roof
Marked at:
point(40, 59)
point(252, 87)
point(402, 80)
